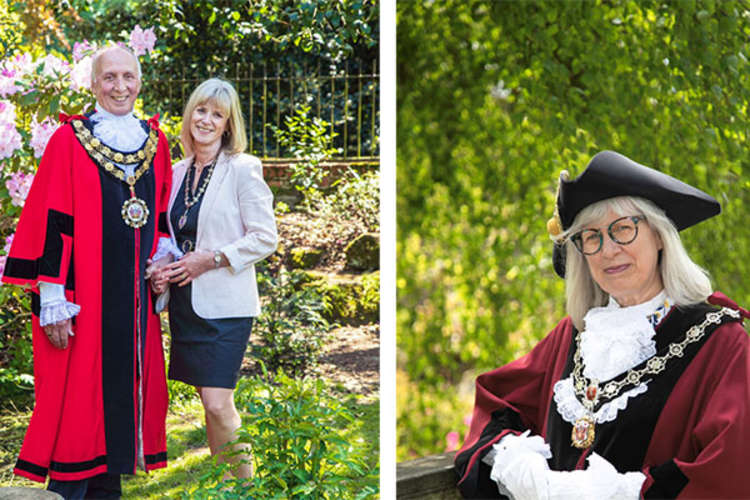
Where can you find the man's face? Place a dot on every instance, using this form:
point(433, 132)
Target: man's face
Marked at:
point(117, 84)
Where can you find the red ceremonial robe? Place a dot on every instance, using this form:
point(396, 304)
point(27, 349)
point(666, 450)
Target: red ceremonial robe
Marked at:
point(101, 403)
point(689, 433)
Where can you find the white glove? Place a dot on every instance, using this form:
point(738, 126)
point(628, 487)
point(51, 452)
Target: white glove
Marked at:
point(600, 481)
point(520, 466)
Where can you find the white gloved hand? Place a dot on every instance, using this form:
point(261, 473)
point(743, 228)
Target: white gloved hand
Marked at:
point(520, 466)
point(600, 481)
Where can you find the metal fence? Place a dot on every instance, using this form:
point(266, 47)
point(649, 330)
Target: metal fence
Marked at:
point(347, 99)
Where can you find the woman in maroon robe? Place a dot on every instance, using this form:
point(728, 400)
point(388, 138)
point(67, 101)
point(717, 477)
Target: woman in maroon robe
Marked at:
point(643, 391)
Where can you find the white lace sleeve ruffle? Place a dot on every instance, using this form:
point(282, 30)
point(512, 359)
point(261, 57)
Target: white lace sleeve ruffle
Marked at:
point(166, 247)
point(54, 306)
point(571, 409)
point(57, 311)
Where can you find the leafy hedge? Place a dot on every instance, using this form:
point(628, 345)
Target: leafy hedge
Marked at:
point(494, 99)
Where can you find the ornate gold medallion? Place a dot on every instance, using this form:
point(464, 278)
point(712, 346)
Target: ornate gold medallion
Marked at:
point(182, 220)
point(135, 212)
point(583, 432)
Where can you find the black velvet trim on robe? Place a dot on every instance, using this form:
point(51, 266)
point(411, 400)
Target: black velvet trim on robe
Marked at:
point(48, 264)
point(479, 475)
point(669, 481)
point(120, 276)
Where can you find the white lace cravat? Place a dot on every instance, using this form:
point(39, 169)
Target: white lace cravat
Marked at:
point(123, 133)
point(615, 340)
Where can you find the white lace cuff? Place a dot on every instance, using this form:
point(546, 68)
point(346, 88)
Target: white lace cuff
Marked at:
point(50, 293)
point(57, 311)
point(166, 247)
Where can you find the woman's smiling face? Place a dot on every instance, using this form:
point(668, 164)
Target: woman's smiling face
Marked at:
point(207, 123)
point(630, 272)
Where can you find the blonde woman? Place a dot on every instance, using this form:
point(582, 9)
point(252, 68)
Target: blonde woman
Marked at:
point(221, 221)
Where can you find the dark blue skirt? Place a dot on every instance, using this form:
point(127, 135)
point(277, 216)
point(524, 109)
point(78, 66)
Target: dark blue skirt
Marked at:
point(204, 352)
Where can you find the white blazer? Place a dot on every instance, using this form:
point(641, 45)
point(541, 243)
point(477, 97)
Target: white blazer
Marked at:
point(236, 217)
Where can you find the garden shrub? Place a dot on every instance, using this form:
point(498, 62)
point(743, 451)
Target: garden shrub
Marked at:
point(291, 327)
point(296, 429)
point(310, 141)
point(355, 197)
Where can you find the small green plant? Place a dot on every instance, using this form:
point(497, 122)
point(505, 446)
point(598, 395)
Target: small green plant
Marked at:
point(354, 196)
point(296, 429)
point(292, 328)
point(309, 140)
point(16, 353)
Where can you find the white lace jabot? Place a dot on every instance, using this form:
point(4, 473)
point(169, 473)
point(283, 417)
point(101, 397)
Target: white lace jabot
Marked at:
point(123, 133)
point(615, 339)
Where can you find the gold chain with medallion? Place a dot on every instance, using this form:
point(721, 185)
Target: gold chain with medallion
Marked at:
point(588, 392)
point(134, 210)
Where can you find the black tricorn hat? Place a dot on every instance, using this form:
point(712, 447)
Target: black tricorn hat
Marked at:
point(611, 174)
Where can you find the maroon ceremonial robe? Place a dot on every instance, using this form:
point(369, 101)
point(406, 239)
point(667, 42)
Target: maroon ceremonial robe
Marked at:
point(100, 404)
point(689, 433)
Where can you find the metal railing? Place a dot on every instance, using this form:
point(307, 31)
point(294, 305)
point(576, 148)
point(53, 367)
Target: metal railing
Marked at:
point(347, 99)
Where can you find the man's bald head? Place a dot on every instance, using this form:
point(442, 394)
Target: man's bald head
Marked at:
point(116, 80)
point(96, 61)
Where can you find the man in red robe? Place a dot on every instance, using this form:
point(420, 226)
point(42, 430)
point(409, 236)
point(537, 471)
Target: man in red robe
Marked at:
point(95, 213)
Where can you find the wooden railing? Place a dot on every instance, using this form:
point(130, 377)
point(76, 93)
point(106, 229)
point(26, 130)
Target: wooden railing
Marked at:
point(428, 478)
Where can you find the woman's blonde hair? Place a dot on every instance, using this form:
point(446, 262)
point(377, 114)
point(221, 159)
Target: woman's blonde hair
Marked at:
point(685, 282)
point(221, 94)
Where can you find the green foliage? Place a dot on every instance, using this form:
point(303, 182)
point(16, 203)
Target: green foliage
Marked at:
point(493, 100)
point(308, 140)
point(236, 37)
point(296, 431)
point(354, 196)
point(16, 354)
point(349, 299)
point(291, 327)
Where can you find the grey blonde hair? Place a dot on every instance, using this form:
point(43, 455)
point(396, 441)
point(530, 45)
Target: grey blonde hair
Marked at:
point(95, 60)
point(685, 282)
point(222, 94)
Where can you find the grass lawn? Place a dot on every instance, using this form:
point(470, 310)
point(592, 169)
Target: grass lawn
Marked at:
point(187, 449)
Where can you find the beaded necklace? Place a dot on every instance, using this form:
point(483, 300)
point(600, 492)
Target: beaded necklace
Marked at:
point(190, 201)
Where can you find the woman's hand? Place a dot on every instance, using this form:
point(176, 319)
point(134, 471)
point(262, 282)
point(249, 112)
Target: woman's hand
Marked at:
point(155, 273)
point(189, 267)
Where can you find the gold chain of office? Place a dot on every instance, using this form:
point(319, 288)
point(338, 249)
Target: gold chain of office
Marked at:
point(588, 390)
point(134, 211)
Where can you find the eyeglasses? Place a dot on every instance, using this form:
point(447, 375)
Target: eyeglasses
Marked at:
point(622, 231)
